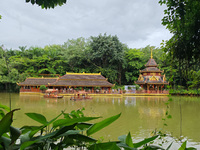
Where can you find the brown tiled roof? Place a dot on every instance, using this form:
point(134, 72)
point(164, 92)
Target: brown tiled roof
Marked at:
point(83, 83)
point(70, 79)
point(151, 69)
point(151, 63)
point(37, 81)
point(79, 77)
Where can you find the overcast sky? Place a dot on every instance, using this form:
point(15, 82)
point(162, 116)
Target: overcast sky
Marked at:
point(137, 23)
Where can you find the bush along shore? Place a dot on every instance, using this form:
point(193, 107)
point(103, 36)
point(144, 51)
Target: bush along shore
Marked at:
point(185, 92)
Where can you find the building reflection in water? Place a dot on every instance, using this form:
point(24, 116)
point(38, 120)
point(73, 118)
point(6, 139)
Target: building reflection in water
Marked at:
point(130, 101)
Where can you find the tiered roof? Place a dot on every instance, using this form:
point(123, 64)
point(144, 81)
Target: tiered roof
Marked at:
point(151, 74)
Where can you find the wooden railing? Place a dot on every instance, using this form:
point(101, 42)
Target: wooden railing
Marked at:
point(152, 92)
point(102, 91)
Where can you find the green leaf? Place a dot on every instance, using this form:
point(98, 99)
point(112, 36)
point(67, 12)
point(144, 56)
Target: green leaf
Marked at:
point(190, 148)
point(24, 137)
point(126, 147)
point(26, 144)
point(37, 117)
point(129, 141)
point(83, 125)
point(100, 125)
point(63, 130)
point(104, 146)
point(183, 146)
point(5, 141)
point(82, 138)
point(169, 146)
point(154, 147)
point(5, 107)
point(6, 122)
point(122, 138)
point(40, 128)
point(67, 122)
point(145, 141)
point(169, 116)
point(15, 133)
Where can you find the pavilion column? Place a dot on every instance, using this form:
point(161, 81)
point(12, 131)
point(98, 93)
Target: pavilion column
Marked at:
point(147, 88)
point(109, 89)
point(158, 88)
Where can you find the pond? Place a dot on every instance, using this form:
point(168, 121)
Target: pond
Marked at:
point(140, 115)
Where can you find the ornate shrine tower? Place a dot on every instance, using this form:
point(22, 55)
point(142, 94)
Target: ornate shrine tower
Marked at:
point(151, 78)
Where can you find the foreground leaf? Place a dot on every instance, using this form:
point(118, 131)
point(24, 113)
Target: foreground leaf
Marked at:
point(100, 125)
point(145, 141)
point(15, 133)
point(37, 117)
point(125, 146)
point(67, 122)
point(129, 141)
point(5, 107)
point(183, 146)
point(104, 146)
point(6, 122)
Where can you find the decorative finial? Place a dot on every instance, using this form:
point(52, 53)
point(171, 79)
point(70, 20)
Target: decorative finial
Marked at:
point(151, 54)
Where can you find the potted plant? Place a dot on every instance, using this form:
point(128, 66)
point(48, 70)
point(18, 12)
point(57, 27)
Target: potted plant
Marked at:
point(43, 88)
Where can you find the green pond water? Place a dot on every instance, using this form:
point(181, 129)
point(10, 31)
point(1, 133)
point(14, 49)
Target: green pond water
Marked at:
point(140, 115)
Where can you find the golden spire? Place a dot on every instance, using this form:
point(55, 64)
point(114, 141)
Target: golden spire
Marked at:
point(151, 54)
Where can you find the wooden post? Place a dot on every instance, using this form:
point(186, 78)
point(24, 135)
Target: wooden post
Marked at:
point(147, 88)
point(158, 88)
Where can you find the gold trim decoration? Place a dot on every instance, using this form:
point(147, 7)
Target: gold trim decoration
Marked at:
point(71, 73)
point(153, 78)
point(164, 79)
point(140, 78)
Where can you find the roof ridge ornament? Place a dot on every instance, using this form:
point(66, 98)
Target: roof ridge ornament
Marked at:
point(151, 54)
point(71, 73)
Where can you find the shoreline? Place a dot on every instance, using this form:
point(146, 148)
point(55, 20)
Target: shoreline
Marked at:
point(119, 95)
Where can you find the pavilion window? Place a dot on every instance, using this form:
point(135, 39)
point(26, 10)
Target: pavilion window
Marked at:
point(27, 87)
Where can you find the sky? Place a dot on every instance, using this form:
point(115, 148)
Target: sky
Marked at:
point(136, 23)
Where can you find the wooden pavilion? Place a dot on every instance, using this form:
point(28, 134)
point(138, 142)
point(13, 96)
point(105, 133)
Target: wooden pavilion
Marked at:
point(68, 83)
point(151, 79)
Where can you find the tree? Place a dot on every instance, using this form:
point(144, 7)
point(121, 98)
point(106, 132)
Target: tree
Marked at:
point(47, 3)
point(75, 53)
point(182, 18)
point(134, 59)
point(107, 54)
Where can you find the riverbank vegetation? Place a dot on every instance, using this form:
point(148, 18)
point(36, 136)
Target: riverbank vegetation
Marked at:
point(104, 53)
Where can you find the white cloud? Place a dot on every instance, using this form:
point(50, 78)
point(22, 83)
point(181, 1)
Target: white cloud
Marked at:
point(136, 23)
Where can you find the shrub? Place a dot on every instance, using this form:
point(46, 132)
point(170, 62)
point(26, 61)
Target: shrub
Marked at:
point(43, 87)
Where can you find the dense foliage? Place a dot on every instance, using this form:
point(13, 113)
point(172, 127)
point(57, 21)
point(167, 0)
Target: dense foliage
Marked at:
point(182, 18)
point(104, 53)
point(47, 3)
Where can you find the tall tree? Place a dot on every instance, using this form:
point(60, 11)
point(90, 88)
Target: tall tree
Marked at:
point(134, 60)
point(107, 54)
point(182, 18)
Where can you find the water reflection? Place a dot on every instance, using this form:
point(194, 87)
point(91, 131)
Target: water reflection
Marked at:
point(140, 115)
